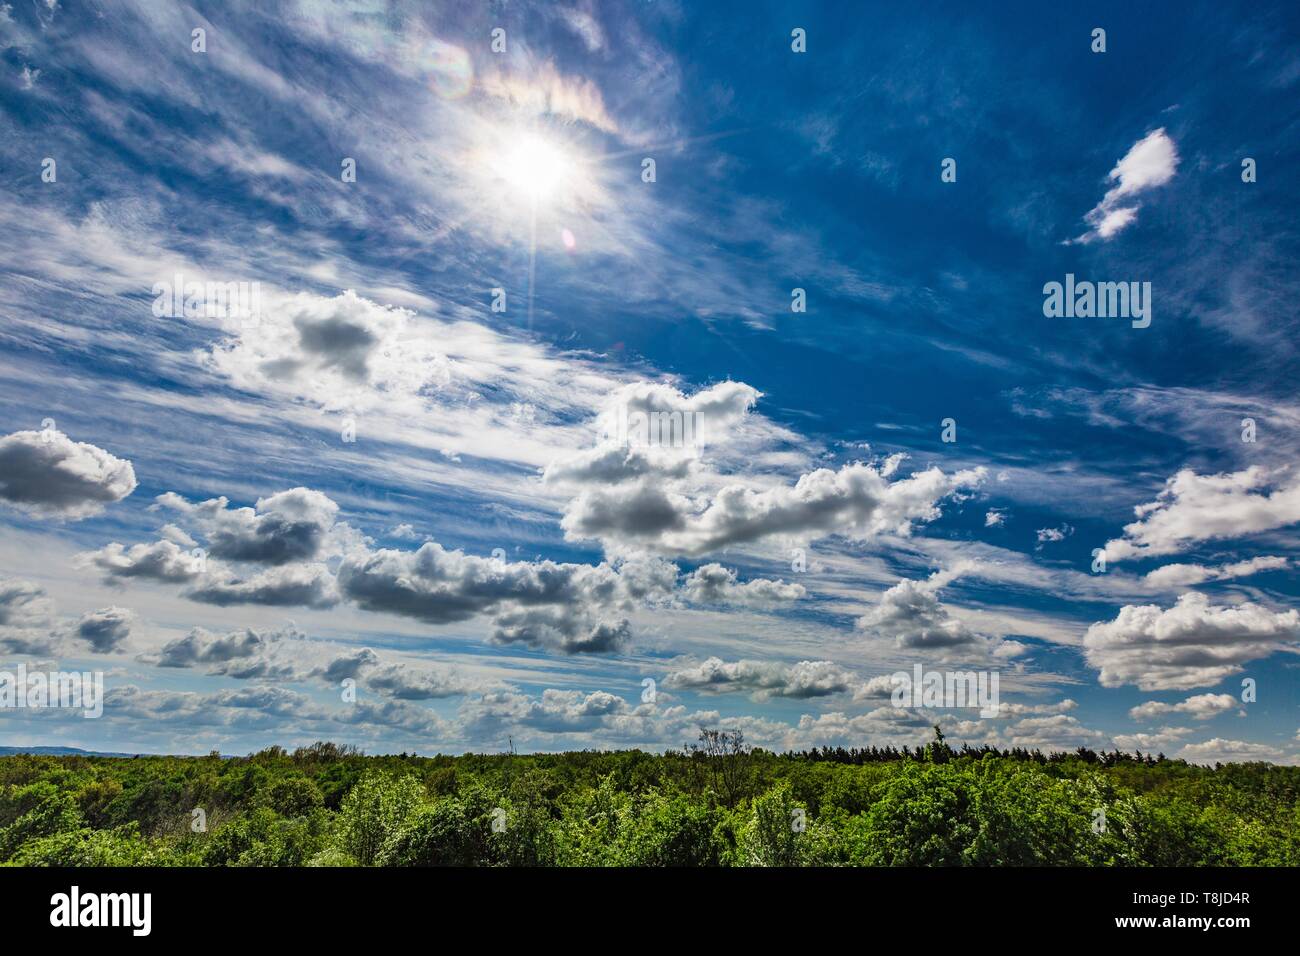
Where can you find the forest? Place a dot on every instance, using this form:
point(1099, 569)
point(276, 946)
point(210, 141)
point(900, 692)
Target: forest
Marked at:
point(713, 803)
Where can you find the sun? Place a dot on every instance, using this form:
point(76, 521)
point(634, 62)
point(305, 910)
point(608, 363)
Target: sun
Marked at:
point(535, 167)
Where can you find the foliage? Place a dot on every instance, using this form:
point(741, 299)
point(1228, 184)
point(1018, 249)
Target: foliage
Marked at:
point(719, 804)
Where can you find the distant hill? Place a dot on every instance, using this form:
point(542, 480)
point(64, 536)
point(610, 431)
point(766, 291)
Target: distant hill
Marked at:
point(59, 752)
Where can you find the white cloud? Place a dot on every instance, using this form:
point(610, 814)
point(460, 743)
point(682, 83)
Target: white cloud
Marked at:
point(714, 584)
point(1057, 732)
point(1012, 710)
point(405, 681)
point(1220, 750)
point(48, 473)
point(859, 501)
point(24, 604)
point(763, 679)
point(1194, 508)
point(910, 612)
point(1187, 575)
point(1149, 163)
point(338, 351)
point(584, 25)
point(1199, 707)
point(106, 629)
point(544, 90)
point(1163, 739)
point(293, 585)
point(1192, 644)
point(26, 615)
point(202, 647)
point(157, 561)
point(569, 607)
point(287, 526)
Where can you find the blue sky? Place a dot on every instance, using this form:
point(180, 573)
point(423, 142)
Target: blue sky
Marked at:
point(397, 471)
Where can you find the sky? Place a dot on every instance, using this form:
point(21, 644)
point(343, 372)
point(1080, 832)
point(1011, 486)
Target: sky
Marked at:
point(332, 332)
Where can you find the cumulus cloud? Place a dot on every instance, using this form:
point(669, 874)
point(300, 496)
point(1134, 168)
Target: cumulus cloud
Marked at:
point(24, 604)
point(266, 708)
point(282, 552)
point(201, 646)
point(1005, 650)
point(287, 526)
point(763, 679)
point(1199, 707)
point(401, 715)
point(1194, 508)
point(555, 711)
point(880, 687)
point(334, 350)
point(714, 584)
point(348, 666)
point(1192, 644)
point(260, 555)
point(1164, 738)
point(993, 518)
point(613, 464)
point(651, 430)
point(47, 473)
point(1046, 535)
point(910, 612)
point(158, 561)
point(884, 724)
point(287, 654)
point(570, 631)
point(278, 536)
point(580, 715)
point(859, 501)
point(1017, 711)
point(567, 607)
point(26, 615)
point(658, 415)
point(1221, 750)
point(1057, 732)
point(252, 706)
point(105, 630)
point(295, 585)
point(421, 682)
point(647, 485)
point(1149, 163)
point(439, 586)
point(596, 718)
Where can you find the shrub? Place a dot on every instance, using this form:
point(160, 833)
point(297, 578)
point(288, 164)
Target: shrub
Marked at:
point(373, 810)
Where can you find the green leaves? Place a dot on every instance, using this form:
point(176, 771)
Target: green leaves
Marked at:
point(375, 809)
point(936, 807)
